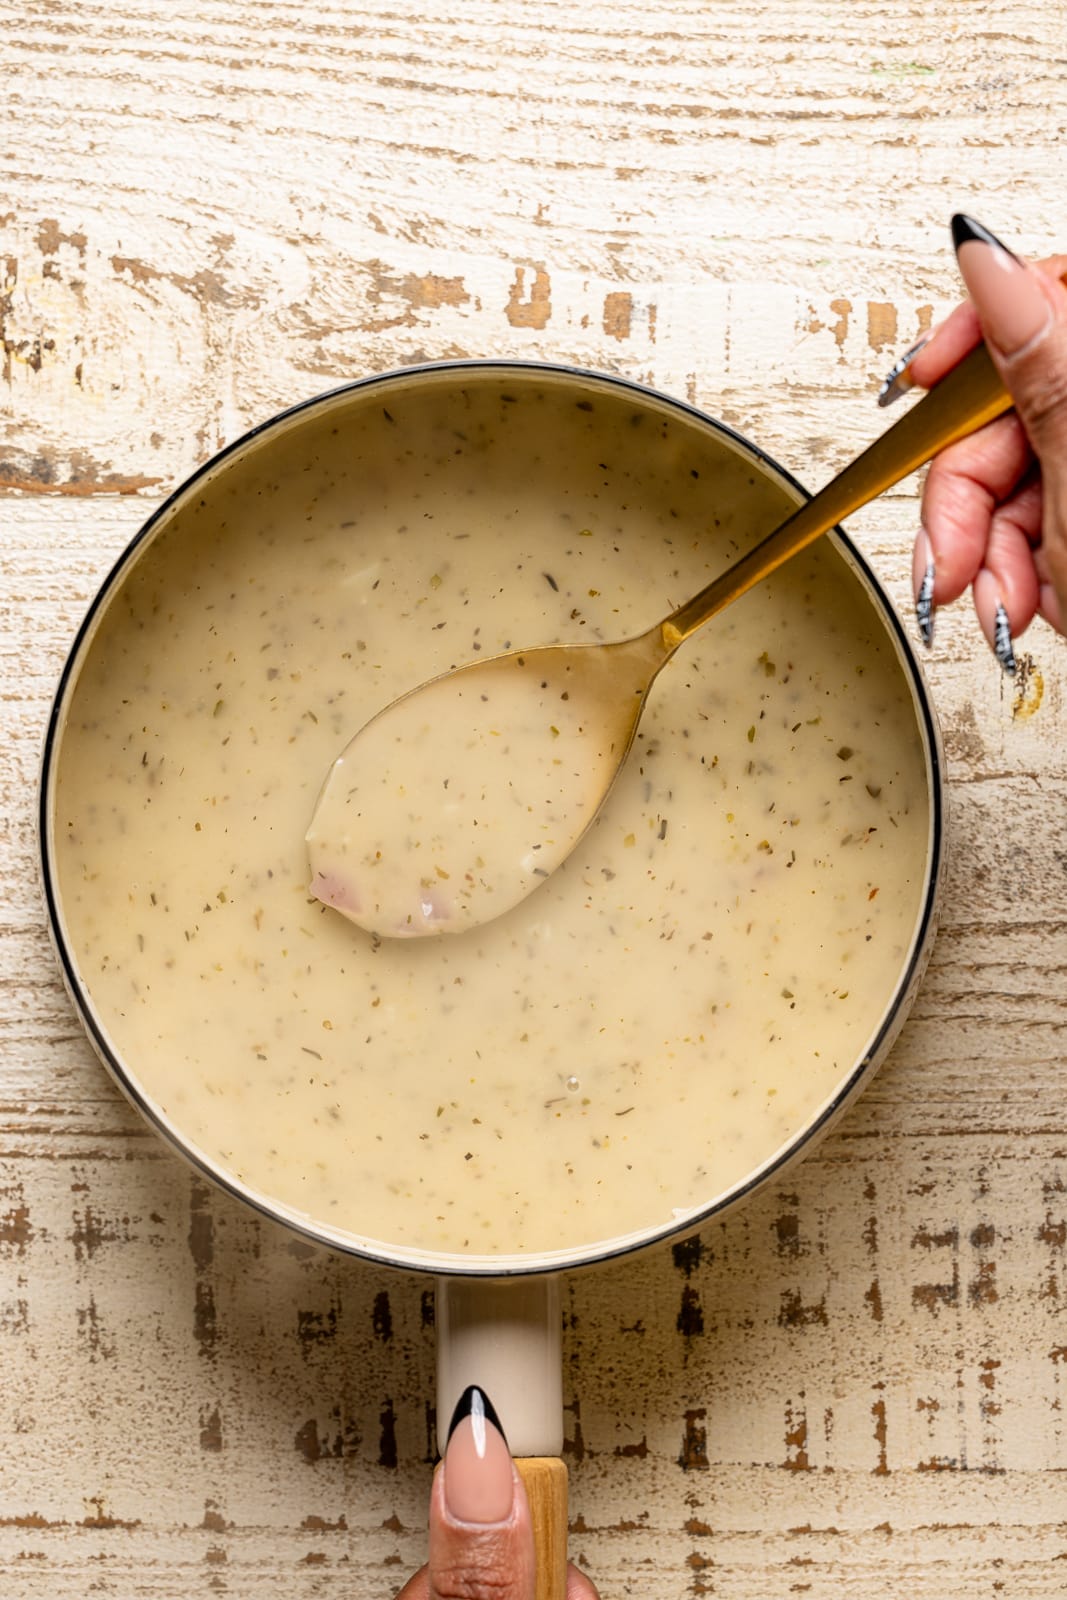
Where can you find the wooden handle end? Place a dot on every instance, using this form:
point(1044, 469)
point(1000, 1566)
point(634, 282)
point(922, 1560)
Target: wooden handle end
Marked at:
point(545, 1481)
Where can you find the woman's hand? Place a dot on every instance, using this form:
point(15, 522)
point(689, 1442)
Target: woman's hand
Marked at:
point(481, 1537)
point(994, 507)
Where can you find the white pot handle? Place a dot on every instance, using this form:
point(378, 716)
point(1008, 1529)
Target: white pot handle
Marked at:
point(505, 1336)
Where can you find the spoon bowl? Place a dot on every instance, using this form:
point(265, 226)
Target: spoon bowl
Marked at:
point(462, 796)
point(435, 818)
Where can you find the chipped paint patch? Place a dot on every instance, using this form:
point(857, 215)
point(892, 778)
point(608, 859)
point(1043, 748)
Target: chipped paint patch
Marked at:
point(618, 312)
point(432, 291)
point(530, 309)
point(1028, 688)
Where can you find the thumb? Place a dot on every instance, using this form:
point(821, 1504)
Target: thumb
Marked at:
point(1023, 313)
point(482, 1544)
point(481, 1535)
point(481, 1531)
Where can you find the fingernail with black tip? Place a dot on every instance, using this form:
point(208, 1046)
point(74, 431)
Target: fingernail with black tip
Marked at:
point(966, 230)
point(478, 1475)
point(1006, 293)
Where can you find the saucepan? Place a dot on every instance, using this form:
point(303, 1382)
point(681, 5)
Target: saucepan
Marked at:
point(680, 1010)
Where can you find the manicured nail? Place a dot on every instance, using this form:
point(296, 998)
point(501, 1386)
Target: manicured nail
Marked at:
point(1002, 645)
point(898, 379)
point(922, 576)
point(479, 1482)
point(1007, 295)
point(994, 619)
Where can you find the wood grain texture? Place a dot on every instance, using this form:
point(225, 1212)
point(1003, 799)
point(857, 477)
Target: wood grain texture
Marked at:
point(545, 1480)
point(855, 1385)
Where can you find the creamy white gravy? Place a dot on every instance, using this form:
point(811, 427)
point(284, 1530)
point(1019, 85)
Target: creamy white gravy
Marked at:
point(670, 1008)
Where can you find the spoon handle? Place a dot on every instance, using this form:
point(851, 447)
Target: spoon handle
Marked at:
point(966, 398)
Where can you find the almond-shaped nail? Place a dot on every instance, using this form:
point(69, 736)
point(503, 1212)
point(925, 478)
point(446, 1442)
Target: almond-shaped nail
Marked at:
point(898, 379)
point(923, 576)
point(1007, 295)
point(996, 624)
point(479, 1480)
point(1002, 641)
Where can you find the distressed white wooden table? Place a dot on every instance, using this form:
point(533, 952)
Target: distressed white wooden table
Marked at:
point(855, 1385)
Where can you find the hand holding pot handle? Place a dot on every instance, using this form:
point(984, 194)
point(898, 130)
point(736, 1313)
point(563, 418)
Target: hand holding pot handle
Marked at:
point(504, 1336)
point(482, 1537)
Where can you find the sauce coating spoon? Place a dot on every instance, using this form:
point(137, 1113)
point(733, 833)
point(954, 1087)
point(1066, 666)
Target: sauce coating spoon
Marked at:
point(458, 799)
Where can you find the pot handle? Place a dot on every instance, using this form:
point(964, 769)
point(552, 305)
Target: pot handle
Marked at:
point(505, 1335)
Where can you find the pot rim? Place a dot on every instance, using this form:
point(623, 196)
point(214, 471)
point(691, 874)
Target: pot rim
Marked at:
point(408, 1259)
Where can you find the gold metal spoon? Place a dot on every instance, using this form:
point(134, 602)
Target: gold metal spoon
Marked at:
point(457, 800)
